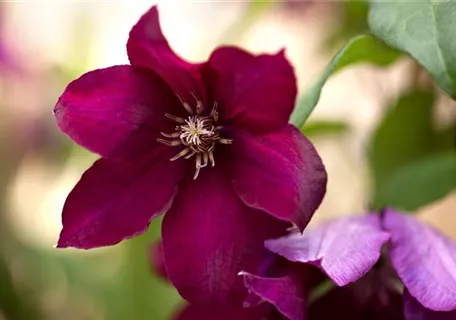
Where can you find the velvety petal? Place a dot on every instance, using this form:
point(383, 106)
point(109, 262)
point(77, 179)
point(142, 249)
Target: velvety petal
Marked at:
point(280, 173)
point(305, 276)
point(413, 310)
point(147, 47)
point(114, 201)
point(255, 92)
point(157, 259)
point(285, 293)
point(424, 259)
point(115, 112)
point(209, 236)
point(345, 249)
point(209, 312)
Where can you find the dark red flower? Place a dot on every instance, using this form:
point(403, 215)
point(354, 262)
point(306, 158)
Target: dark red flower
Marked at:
point(207, 143)
point(207, 312)
point(260, 311)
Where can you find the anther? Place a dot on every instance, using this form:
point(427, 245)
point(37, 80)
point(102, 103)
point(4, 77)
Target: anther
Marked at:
point(185, 104)
point(196, 173)
point(177, 119)
point(211, 158)
point(198, 134)
point(214, 112)
point(173, 143)
point(180, 154)
point(199, 104)
point(199, 108)
point(188, 156)
point(198, 165)
point(170, 135)
point(205, 160)
point(225, 141)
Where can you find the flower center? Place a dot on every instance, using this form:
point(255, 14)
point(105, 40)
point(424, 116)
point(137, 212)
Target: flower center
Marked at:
point(198, 134)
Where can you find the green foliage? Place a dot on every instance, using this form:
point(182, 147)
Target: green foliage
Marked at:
point(353, 21)
point(360, 49)
point(425, 29)
point(15, 304)
point(141, 294)
point(423, 181)
point(405, 135)
point(319, 128)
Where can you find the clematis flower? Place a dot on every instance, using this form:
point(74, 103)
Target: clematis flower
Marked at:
point(414, 279)
point(211, 311)
point(208, 143)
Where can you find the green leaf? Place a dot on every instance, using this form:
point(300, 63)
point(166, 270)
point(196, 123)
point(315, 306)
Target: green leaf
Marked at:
point(353, 21)
point(405, 135)
point(139, 294)
point(420, 183)
point(318, 128)
point(425, 29)
point(363, 48)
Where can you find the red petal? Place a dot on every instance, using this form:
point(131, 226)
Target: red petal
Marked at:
point(286, 293)
point(115, 112)
point(280, 173)
point(255, 93)
point(147, 47)
point(115, 201)
point(209, 312)
point(209, 236)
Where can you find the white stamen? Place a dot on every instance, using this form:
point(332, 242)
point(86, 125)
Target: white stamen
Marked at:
point(185, 104)
point(198, 133)
point(211, 158)
point(194, 129)
point(198, 165)
point(177, 119)
point(170, 135)
point(225, 141)
point(205, 160)
point(180, 154)
point(214, 112)
point(199, 104)
point(173, 143)
point(188, 156)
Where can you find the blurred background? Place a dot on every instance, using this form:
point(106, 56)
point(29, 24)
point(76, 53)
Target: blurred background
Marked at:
point(369, 123)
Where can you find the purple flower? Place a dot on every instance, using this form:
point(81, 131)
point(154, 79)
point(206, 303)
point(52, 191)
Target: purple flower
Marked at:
point(207, 143)
point(367, 285)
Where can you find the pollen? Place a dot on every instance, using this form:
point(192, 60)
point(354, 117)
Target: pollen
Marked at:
point(197, 135)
